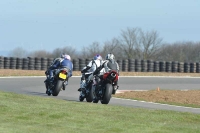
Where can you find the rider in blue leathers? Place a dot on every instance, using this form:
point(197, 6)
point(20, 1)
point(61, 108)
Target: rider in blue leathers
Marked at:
point(65, 62)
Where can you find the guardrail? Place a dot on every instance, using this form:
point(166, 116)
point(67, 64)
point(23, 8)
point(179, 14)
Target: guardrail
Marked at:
point(125, 65)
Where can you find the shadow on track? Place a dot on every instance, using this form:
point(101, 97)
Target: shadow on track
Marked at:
point(36, 93)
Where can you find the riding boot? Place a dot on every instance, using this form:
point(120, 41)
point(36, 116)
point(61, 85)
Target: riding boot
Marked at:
point(50, 79)
point(82, 85)
point(45, 80)
point(115, 88)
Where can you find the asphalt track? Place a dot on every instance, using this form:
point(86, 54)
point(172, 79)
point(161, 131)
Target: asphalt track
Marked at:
point(35, 86)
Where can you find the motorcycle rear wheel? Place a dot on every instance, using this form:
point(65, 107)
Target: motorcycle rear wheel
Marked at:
point(107, 94)
point(57, 88)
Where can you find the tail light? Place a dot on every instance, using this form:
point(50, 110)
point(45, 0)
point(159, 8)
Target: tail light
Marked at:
point(64, 71)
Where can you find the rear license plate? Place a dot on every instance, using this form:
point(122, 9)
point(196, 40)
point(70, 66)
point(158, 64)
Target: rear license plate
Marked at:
point(62, 76)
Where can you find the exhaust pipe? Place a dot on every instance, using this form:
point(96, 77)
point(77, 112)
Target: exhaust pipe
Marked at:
point(113, 75)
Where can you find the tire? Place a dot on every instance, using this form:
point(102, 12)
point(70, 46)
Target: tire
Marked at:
point(81, 98)
point(90, 96)
point(107, 94)
point(57, 88)
point(48, 93)
point(95, 101)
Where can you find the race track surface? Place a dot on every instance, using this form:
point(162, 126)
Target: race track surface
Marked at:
point(35, 86)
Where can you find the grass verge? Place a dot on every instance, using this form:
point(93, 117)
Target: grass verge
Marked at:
point(188, 98)
point(34, 114)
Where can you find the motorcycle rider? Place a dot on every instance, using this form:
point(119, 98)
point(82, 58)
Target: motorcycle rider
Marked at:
point(63, 62)
point(59, 59)
point(108, 65)
point(56, 60)
point(89, 69)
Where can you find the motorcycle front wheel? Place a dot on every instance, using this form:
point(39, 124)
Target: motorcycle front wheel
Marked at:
point(95, 100)
point(81, 98)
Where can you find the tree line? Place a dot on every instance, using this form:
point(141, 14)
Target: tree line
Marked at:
point(132, 43)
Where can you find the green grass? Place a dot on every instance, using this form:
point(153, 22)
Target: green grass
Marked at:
point(34, 114)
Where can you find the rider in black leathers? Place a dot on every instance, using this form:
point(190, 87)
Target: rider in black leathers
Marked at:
point(110, 64)
point(89, 69)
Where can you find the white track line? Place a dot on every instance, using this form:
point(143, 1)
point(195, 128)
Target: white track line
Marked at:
point(156, 103)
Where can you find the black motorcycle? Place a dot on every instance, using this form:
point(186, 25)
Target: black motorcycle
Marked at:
point(105, 87)
point(86, 91)
point(60, 77)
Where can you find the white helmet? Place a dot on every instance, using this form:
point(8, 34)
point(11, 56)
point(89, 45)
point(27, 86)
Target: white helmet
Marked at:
point(66, 56)
point(110, 57)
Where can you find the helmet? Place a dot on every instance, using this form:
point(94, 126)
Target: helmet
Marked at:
point(97, 57)
point(66, 56)
point(62, 55)
point(110, 57)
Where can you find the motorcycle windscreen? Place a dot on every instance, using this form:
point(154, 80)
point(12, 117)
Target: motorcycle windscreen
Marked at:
point(62, 76)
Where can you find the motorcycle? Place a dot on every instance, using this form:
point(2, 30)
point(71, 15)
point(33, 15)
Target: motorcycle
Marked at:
point(105, 86)
point(86, 91)
point(60, 76)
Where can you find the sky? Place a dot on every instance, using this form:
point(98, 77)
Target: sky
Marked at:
point(50, 24)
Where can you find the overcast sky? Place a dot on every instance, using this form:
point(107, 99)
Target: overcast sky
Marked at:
point(49, 24)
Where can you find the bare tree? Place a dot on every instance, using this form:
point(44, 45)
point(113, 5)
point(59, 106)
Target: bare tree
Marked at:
point(150, 44)
point(70, 51)
point(196, 53)
point(67, 50)
point(136, 43)
point(84, 53)
point(180, 51)
point(18, 52)
point(191, 51)
point(40, 53)
point(130, 42)
point(113, 47)
point(167, 52)
point(91, 50)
